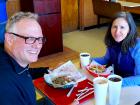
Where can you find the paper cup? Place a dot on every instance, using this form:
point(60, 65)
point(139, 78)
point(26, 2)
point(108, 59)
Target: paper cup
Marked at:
point(84, 59)
point(100, 90)
point(114, 88)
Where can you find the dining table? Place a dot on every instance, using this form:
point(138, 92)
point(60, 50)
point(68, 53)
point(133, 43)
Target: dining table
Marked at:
point(131, 7)
point(128, 4)
point(58, 96)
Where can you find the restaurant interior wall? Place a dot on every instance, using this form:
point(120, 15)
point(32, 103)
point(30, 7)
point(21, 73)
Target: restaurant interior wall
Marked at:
point(69, 13)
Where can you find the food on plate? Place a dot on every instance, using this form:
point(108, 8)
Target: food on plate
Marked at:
point(62, 80)
point(64, 76)
point(97, 68)
point(100, 70)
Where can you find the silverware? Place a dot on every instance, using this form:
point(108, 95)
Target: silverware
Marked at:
point(75, 85)
point(71, 90)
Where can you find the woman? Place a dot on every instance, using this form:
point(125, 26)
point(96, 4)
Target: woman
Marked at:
point(123, 48)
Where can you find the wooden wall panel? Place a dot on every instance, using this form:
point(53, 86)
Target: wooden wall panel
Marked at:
point(69, 11)
point(12, 7)
point(87, 16)
point(75, 13)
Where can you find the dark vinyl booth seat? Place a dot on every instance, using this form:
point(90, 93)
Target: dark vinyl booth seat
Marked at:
point(105, 9)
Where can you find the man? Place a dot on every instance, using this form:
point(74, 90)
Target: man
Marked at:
point(23, 42)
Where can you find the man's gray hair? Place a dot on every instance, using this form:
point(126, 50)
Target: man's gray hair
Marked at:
point(17, 17)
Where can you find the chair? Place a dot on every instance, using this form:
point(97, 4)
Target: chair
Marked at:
point(105, 9)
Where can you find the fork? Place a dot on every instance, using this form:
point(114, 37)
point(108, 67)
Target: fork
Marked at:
point(75, 85)
point(71, 90)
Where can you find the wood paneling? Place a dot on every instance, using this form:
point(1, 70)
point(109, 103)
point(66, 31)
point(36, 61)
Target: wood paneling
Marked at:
point(49, 12)
point(51, 27)
point(12, 7)
point(87, 16)
point(47, 6)
point(69, 10)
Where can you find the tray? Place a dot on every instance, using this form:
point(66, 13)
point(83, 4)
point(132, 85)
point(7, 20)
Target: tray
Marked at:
point(57, 95)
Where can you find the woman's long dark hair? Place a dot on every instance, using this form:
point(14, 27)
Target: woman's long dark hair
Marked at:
point(131, 37)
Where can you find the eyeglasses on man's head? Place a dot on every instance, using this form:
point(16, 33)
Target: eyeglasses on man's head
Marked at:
point(30, 40)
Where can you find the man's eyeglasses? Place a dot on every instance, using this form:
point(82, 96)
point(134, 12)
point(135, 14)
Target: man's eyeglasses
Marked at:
point(31, 40)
